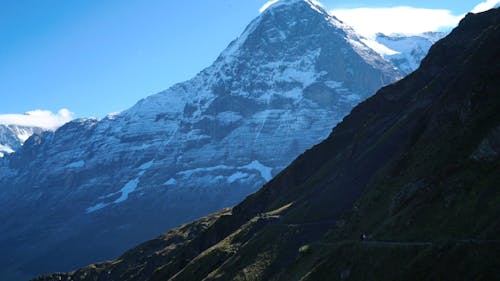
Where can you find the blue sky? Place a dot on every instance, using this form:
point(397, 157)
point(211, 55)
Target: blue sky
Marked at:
point(95, 57)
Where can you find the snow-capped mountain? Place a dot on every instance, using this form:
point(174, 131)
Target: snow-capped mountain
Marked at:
point(12, 137)
point(407, 51)
point(95, 187)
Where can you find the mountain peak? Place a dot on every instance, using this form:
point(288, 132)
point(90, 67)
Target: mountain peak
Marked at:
point(287, 29)
point(276, 3)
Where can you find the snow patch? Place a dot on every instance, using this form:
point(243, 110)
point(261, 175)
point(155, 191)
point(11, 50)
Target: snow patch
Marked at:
point(146, 165)
point(379, 48)
point(264, 171)
point(77, 164)
point(96, 207)
point(23, 134)
point(130, 187)
point(408, 50)
point(300, 71)
point(306, 78)
point(113, 115)
point(5, 149)
point(236, 176)
point(171, 181)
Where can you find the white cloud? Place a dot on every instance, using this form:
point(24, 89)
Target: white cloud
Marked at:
point(407, 20)
point(44, 119)
point(486, 5)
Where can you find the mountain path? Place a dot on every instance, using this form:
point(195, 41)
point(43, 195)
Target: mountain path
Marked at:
point(277, 219)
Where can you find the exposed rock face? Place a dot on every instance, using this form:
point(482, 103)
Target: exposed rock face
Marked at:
point(95, 187)
point(396, 172)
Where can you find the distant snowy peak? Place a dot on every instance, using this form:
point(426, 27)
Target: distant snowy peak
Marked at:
point(431, 36)
point(280, 22)
point(406, 51)
point(303, 10)
point(275, 3)
point(290, 45)
point(12, 137)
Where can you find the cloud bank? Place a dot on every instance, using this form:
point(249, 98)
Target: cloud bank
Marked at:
point(44, 119)
point(406, 20)
point(486, 5)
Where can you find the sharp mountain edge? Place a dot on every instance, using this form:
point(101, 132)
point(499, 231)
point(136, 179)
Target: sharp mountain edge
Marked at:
point(94, 188)
point(414, 170)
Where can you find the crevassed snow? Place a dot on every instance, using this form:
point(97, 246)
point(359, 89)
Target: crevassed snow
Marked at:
point(236, 176)
point(264, 171)
point(77, 164)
